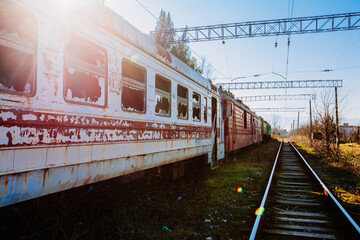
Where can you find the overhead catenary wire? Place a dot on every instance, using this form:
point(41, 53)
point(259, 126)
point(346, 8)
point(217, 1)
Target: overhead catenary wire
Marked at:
point(327, 70)
point(227, 60)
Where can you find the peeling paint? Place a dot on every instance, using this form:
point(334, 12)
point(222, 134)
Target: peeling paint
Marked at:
point(31, 117)
point(41, 128)
point(5, 115)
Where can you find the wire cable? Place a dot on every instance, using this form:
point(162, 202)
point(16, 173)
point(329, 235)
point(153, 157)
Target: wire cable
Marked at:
point(227, 60)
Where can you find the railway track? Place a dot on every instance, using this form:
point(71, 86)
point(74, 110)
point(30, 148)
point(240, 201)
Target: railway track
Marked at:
point(299, 205)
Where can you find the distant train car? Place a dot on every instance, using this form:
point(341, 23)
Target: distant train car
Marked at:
point(265, 130)
point(242, 127)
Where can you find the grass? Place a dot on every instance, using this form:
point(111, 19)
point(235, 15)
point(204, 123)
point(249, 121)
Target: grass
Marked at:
point(341, 176)
point(348, 159)
point(195, 207)
point(200, 206)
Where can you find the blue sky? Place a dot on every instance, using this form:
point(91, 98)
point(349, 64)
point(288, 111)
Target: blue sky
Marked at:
point(309, 54)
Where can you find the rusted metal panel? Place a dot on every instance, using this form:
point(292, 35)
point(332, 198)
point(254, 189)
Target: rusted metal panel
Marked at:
point(21, 159)
point(32, 128)
point(241, 127)
point(26, 185)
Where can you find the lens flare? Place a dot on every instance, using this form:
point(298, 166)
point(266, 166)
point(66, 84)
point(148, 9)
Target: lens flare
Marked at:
point(134, 58)
point(239, 189)
point(260, 211)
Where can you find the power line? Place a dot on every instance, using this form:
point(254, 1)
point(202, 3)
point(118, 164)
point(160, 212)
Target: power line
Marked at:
point(288, 48)
point(227, 60)
point(147, 10)
point(278, 109)
point(326, 70)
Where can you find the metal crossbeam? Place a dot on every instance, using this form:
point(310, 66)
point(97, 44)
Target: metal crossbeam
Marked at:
point(278, 109)
point(281, 84)
point(275, 27)
point(278, 97)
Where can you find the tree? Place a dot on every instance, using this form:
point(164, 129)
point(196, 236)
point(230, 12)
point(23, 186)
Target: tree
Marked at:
point(275, 129)
point(207, 70)
point(165, 35)
point(164, 30)
point(326, 115)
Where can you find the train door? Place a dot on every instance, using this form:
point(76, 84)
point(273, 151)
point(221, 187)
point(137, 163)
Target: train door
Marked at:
point(214, 134)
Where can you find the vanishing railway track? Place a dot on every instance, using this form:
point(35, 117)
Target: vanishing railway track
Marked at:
point(299, 205)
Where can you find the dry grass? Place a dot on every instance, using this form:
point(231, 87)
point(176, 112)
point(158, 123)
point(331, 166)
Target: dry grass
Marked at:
point(341, 174)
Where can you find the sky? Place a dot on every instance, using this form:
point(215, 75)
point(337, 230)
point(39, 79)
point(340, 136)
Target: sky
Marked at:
point(309, 54)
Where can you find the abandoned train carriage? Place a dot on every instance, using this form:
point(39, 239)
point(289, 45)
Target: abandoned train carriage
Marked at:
point(242, 127)
point(88, 97)
point(84, 97)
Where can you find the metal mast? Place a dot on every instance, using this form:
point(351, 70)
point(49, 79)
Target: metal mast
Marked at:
point(275, 27)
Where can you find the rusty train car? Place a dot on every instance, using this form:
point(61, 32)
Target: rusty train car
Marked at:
point(242, 127)
point(84, 97)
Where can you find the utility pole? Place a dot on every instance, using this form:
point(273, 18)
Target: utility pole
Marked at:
point(311, 138)
point(298, 120)
point(337, 118)
point(293, 124)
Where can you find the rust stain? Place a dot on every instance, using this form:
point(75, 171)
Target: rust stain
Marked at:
point(26, 179)
point(56, 87)
point(43, 181)
point(87, 180)
point(47, 63)
point(34, 128)
point(6, 189)
point(8, 134)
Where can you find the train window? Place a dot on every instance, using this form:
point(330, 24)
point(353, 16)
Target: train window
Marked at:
point(205, 109)
point(196, 107)
point(229, 109)
point(85, 74)
point(18, 34)
point(245, 119)
point(182, 100)
point(241, 116)
point(162, 96)
point(134, 87)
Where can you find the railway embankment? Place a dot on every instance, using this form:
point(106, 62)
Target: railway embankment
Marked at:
point(341, 177)
point(206, 205)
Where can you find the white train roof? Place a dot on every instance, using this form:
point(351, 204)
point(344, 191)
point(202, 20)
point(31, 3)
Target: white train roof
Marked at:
point(96, 12)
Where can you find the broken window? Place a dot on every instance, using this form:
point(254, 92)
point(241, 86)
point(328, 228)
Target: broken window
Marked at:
point(84, 72)
point(205, 109)
point(196, 107)
point(182, 99)
point(162, 96)
point(134, 87)
point(18, 34)
point(245, 119)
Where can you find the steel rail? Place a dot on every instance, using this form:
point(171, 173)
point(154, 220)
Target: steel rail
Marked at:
point(328, 192)
point(262, 205)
